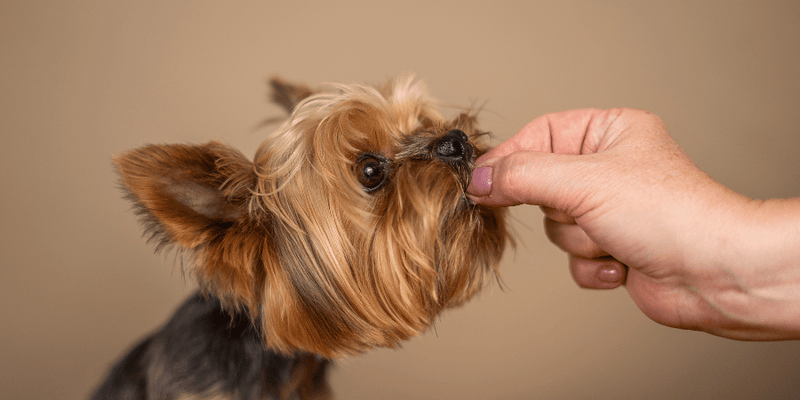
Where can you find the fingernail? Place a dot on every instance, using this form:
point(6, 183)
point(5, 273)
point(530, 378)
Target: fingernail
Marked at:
point(481, 183)
point(609, 274)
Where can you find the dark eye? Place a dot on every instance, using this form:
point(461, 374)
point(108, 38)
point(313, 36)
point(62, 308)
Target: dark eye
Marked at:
point(371, 172)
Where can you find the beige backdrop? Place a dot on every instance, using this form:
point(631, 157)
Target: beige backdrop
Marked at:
point(83, 80)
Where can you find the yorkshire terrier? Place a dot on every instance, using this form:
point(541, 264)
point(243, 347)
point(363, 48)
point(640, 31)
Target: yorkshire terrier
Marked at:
point(351, 229)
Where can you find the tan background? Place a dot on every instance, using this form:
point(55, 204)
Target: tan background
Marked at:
point(83, 80)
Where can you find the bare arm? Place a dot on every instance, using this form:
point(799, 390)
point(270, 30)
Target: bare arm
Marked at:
point(627, 204)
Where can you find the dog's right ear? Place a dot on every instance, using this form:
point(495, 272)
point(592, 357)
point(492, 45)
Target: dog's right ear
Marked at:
point(287, 94)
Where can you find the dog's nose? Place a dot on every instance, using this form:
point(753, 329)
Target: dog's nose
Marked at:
point(453, 146)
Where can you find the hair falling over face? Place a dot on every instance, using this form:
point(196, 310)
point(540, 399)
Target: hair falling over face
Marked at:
point(351, 228)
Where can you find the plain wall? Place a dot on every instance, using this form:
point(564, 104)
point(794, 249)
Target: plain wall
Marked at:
point(83, 80)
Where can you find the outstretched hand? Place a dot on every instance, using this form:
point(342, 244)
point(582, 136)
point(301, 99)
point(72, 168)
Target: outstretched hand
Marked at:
point(621, 197)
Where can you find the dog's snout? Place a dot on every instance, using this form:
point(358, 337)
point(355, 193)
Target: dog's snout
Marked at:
point(454, 145)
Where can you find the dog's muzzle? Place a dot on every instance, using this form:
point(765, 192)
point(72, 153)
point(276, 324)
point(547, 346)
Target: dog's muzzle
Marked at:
point(453, 146)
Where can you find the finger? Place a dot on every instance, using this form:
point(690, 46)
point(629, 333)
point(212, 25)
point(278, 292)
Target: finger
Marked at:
point(531, 177)
point(556, 215)
point(564, 132)
point(598, 273)
point(572, 239)
point(519, 170)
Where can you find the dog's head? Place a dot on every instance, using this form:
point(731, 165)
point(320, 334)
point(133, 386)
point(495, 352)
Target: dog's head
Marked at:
point(351, 228)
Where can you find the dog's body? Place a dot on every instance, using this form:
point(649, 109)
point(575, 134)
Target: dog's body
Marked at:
point(350, 230)
point(206, 351)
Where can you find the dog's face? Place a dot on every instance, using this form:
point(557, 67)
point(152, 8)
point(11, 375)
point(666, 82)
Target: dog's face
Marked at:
point(351, 229)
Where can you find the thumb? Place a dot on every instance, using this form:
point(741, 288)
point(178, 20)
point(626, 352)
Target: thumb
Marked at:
point(529, 177)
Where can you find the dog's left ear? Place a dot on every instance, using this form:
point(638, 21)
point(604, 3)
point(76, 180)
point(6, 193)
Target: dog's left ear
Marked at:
point(288, 94)
point(196, 198)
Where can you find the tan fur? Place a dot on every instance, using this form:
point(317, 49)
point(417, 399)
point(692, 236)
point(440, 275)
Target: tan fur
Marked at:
point(294, 239)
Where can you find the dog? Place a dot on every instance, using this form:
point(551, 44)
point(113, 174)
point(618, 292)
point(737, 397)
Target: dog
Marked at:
point(350, 229)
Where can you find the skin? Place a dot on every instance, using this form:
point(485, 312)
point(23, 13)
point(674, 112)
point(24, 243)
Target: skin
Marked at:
point(630, 208)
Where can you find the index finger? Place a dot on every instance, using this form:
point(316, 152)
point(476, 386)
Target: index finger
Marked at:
point(566, 132)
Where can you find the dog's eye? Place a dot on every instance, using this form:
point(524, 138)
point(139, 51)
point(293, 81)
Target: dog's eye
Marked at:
point(371, 172)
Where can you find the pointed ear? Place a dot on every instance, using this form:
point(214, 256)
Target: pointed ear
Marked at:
point(186, 193)
point(196, 199)
point(287, 94)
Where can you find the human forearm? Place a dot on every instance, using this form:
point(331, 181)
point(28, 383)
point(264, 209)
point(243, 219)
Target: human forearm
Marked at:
point(750, 288)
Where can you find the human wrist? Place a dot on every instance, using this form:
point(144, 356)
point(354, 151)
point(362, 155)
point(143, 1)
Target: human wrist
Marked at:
point(748, 284)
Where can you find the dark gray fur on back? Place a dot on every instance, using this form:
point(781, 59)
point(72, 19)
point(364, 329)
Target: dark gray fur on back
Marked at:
point(206, 350)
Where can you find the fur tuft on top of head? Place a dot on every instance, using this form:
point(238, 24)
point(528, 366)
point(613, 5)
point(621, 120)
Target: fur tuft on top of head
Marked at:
point(351, 228)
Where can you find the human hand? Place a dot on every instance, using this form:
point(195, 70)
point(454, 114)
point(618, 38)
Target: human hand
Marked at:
point(627, 204)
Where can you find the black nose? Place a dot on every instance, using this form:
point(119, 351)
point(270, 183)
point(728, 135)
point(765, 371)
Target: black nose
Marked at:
point(454, 146)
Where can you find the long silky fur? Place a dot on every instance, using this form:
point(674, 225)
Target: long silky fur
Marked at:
point(294, 241)
point(346, 282)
